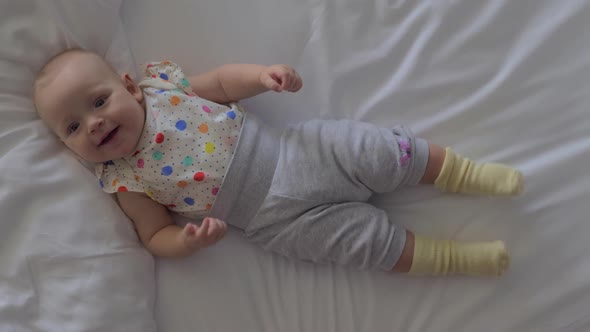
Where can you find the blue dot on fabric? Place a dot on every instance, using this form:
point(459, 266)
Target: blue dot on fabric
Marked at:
point(189, 201)
point(100, 183)
point(164, 76)
point(161, 91)
point(231, 114)
point(181, 125)
point(167, 170)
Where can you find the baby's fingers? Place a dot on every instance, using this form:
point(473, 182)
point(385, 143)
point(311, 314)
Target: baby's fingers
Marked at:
point(216, 229)
point(189, 229)
point(204, 229)
point(222, 229)
point(271, 82)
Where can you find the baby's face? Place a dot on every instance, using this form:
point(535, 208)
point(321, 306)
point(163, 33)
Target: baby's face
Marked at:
point(97, 114)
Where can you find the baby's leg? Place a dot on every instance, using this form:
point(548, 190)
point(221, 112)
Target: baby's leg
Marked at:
point(424, 256)
point(449, 171)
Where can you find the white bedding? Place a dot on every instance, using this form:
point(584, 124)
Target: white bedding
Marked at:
point(504, 81)
point(498, 80)
point(69, 261)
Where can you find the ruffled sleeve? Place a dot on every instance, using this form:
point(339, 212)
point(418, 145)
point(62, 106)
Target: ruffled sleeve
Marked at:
point(166, 75)
point(117, 177)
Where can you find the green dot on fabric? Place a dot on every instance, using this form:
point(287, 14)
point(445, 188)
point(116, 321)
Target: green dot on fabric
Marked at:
point(157, 155)
point(185, 82)
point(188, 161)
point(177, 90)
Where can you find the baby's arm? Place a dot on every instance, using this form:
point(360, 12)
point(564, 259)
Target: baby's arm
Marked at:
point(233, 82)
point(160, 235)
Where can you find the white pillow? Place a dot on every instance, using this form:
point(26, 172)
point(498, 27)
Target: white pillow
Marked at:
point(69, 258)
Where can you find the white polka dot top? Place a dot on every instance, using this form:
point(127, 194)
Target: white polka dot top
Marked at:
point(185, 149)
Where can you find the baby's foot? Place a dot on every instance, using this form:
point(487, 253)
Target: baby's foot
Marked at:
point(512, 184)
point(499, 260)
point(460, 174)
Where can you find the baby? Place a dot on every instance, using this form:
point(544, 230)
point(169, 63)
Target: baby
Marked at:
point(182, 144)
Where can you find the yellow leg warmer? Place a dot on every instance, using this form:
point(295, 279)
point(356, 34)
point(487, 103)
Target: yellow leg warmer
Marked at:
point(440, 257)
point(462, 175)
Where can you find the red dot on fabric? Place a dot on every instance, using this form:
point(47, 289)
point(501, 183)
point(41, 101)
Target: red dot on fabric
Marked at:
point(122, 189)
point(199, 176)
point(154, 76)
point(171, 205)
point(159, 138)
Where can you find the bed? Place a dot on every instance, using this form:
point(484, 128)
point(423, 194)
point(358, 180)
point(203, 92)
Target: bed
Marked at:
point(498, 80)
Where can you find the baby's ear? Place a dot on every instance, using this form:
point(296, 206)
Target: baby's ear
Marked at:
point(131, 87)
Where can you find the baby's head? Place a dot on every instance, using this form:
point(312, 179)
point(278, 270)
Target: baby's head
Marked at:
point(98, 114)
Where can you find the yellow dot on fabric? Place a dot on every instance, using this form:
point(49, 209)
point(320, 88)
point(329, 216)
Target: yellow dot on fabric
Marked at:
point(150, 193)
point(209, 147)
point(137, 178)
point(182, 184)
point(203, 128)
point(174, 100)
point(115, 181)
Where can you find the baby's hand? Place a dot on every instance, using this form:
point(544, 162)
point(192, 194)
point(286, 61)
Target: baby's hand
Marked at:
point(198, 237)
point(281, 78)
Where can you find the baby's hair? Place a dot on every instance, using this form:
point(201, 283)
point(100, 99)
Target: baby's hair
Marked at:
point(43, 73)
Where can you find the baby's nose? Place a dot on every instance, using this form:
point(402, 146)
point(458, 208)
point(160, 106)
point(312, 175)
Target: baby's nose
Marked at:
point(94, 124)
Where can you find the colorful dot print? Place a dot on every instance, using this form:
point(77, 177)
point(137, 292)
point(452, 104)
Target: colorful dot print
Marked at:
point(188, 161)
point(180, 125)
point(167, 170)
point(199, 176)
point(159, 138)
point(157, 155)
point(209, 147)
point(174, 100)
point(203, 128)
point(185, 149)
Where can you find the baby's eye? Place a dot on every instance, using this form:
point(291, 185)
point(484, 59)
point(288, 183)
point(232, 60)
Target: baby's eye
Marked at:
point(73, 127)
point(99, 102)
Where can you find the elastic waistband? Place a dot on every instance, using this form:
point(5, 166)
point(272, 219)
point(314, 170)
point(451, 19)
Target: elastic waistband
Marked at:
point(249, 175)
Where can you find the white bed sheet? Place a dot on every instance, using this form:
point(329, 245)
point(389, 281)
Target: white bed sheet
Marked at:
point(499, 80)
point(69, 258)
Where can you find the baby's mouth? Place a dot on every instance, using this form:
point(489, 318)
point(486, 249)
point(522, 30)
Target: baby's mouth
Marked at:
point(109, 137)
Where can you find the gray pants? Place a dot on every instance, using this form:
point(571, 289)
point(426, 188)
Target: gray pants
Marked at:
point(316, 208)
